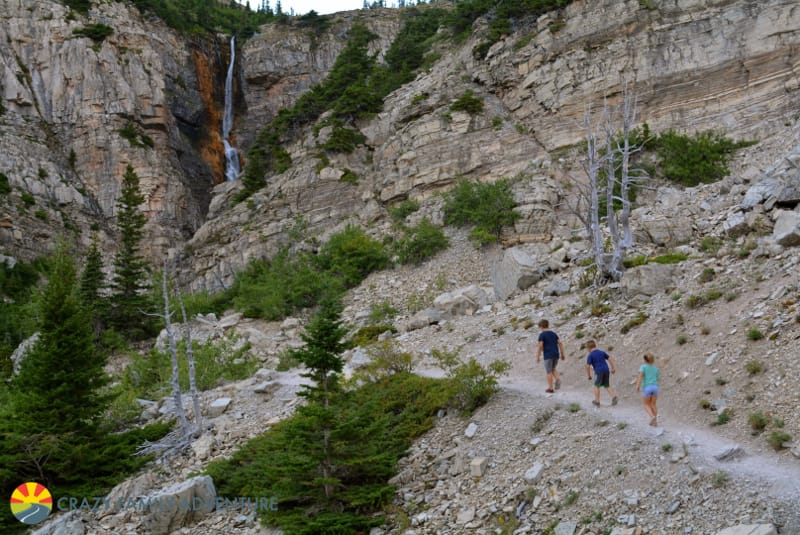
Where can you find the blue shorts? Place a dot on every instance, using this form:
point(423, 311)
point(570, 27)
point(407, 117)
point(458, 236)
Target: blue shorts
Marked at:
point(651, 390)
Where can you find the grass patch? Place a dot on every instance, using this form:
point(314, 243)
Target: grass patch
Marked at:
point(757, 421)
point(403, 209)
point(777, 439)
point(754, 334)
point(754, 367)
point(635, 321)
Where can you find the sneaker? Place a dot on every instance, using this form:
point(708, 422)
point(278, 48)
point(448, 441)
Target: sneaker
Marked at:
point(596, 403)
point(550, 391)
point(614, 400)
point(558, 384)
point(654, 421)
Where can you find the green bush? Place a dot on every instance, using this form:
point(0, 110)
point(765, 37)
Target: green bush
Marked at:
point(369, 334)
point(28, 199)
point(754, 334)
point(344, 140)
point(351, 255)
point(386, 358)
point(134, 137)
point(692, 160)
point(777, 439)
point(635, 321)
point(472, 383)
point(490, 207)
point(273, 289)
point(403, 209)
point(381, 312)
point(671, 258)
point(421, 242)
point(634, 261)
point(95, 32)
point(754, 367)
point(5, 186)
point(757, 421)
point(468, 103)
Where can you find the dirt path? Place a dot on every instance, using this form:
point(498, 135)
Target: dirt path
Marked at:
point(779, 473)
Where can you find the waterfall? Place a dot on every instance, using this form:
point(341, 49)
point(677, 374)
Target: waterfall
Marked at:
point(231, 154)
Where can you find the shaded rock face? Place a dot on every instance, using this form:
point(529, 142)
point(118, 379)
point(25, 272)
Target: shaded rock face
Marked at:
point(77, 112)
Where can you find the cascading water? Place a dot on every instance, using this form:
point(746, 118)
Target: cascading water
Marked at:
point(231, 154)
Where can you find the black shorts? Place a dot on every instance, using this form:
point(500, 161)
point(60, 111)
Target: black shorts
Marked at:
point(602, 379)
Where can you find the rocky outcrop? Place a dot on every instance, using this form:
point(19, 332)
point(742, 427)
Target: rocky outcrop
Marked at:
point(77, 111)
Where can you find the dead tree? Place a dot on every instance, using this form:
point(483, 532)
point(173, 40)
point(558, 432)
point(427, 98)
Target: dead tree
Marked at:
point(173, 352)
point(198, 416)
point(611, 178)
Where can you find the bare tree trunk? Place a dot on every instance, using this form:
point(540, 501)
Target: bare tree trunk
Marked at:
point(173, 351)
point(198, 416)
point(593, 170)
point(628, 120)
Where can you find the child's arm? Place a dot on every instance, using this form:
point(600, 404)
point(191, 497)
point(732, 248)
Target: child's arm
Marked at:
point(539, 351)
point(589, 372)
point(561, 348)
point(639, 381)
point(613, 365)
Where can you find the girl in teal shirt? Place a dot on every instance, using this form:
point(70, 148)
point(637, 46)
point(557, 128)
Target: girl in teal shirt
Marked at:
point(648, 386)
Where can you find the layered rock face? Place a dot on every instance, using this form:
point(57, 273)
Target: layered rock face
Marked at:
point(78, 111)
point(693, 64)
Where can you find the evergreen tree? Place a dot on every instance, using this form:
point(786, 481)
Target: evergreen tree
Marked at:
point(92, 279)
point(130, 269)
point(322, 351)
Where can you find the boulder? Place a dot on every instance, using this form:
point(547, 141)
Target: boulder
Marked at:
point(534, 473)
point(566, 528)
point(557, 287)
point(735, 224)
point(218, 406)
point(649, 279)
point(663, 229)
point(461, 302)
point(516, 271)
point(477, 466)
point(179, 505)
point(787, 228)
point(68, 524)
point(421, 319)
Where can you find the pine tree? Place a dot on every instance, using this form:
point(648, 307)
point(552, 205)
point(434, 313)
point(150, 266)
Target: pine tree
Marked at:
point(92, 279)
point(130, 269)
point(322, 351)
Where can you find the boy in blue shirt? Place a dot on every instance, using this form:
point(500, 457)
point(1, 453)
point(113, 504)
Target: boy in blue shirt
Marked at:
point(599, 360)
point(551, 347)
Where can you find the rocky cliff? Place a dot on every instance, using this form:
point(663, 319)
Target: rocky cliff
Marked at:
point(78, 110)
point(726, 65)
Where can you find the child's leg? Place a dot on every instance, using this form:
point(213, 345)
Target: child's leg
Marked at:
point(611, 392)
point(549, 380)
point(596, 395)
point(653, 407)
point(647, 408)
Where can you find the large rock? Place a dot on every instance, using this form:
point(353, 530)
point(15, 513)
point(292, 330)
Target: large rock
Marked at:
point(663, 228)
point(786, 231)
point(179, 505)
point(749, 529)
point(68, 524)
point(462, 301)
point(517, 270)
point(649, 279)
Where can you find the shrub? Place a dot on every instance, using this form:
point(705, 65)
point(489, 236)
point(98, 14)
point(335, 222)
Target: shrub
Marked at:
point(386, 358)
point(710, 245)
point(705, 404)
point(634, 261)
point(468, 102)
point(758, 421)
point(719, 479)
point(95, 32)
point(692, 160)
point(707, 275)
point(754, 334)
point(369, 334)
point(671, 258)
point(490, 207)
point(344, 140)
point(349, 176)
point(777, 439)
point(380, 312)
point(273, 289)
point(287, 360)
point(573, 407)
point(403, 209)
point(635, 321)
point(28, 199)
point(666, 447)
point(134, 137)
point(695, 301)
point(421, 242)
point(472, 383)
point(681, 339)
point(723, 417)
point(754, 367)
point(351, 255)
point(5, 186)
